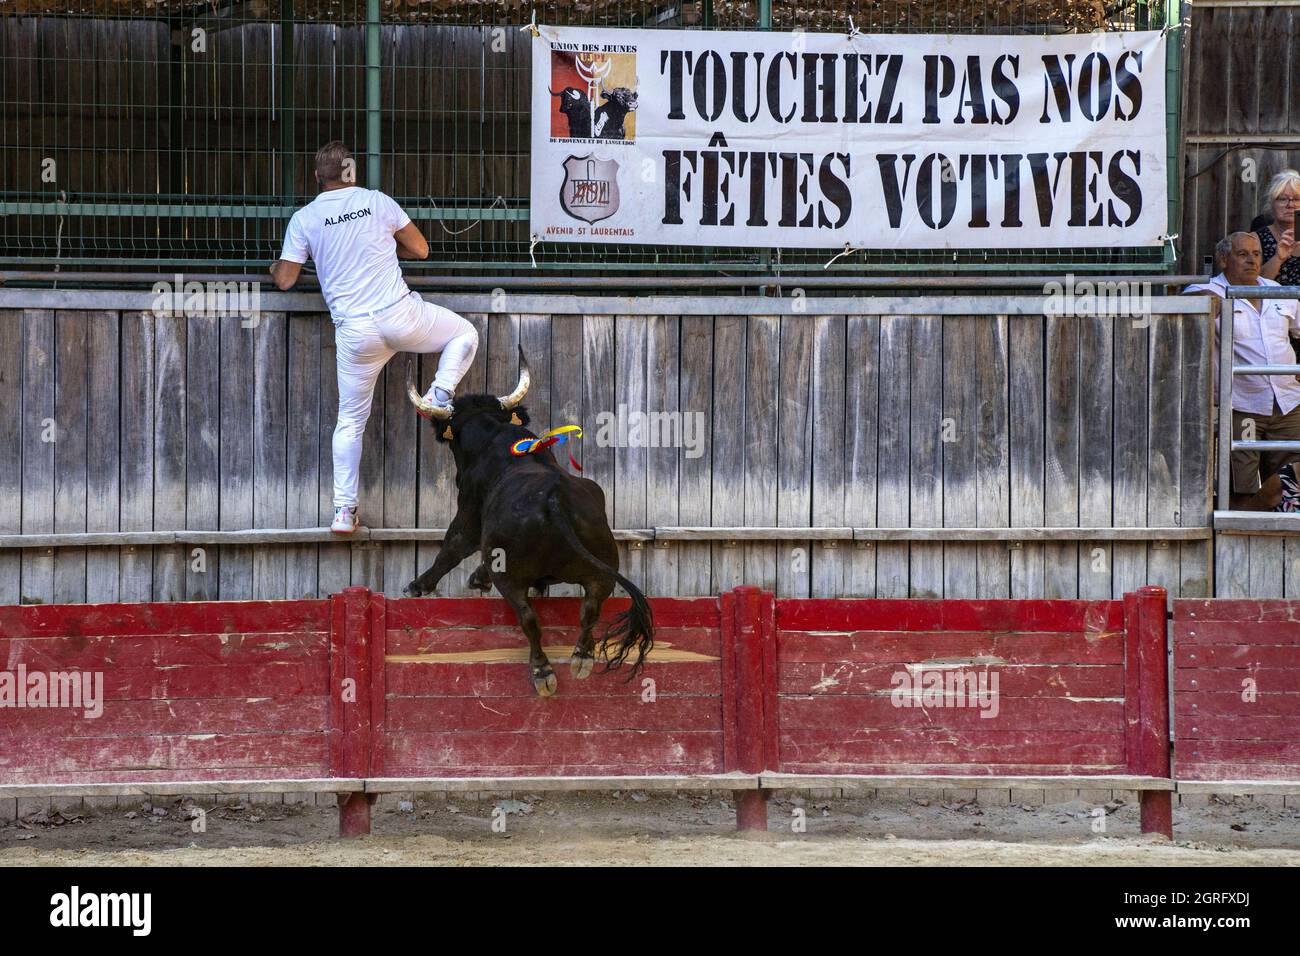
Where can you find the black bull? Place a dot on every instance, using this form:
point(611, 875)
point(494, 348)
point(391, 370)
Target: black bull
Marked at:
point(535, 525)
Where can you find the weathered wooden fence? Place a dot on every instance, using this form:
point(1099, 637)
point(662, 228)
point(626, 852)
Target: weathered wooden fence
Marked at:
point(1240, 128)
point(1236, 681)
point(1239, 123)
point(872, 447)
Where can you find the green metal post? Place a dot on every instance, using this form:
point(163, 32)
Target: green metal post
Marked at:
point(176, 112)
point(372, 94)
point(288, 189)
point(1173, 121)
point(765, 23)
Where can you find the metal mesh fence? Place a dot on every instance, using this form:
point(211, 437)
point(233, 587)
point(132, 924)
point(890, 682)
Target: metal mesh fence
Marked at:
point(161, 134)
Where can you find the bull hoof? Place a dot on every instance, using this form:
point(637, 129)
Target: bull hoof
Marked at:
point(412, 591)
point(582, 665)
point(544, 681)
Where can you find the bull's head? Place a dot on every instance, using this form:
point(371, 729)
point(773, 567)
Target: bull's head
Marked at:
point(571, 98)
point(621, 97)
point(506, 402)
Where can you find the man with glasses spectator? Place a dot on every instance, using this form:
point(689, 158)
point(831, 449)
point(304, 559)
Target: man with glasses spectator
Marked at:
point(1264, 407)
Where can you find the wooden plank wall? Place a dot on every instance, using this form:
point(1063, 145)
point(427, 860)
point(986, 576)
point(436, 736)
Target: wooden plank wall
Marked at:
point(458, 701)
point(1236, 667)
point(1243, 68)
point(179, 692)
point(1061, 701)
point(848, 420)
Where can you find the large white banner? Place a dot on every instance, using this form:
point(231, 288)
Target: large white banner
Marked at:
point(694, 137)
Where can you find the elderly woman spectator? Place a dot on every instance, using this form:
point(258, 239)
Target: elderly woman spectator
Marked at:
point(1277, 238)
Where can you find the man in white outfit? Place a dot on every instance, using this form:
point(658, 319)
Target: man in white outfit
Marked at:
point(1264, 407)
point(355, 236)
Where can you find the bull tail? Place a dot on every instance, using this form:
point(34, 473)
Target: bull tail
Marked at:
point(631, 630)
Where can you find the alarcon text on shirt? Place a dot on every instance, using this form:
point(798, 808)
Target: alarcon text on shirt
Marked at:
point(347, 216)
point(730, 184)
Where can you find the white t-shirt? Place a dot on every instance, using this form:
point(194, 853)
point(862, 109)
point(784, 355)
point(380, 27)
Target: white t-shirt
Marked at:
point(348, 233)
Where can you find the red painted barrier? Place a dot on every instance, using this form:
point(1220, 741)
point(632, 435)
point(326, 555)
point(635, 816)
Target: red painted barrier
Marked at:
point(885, 688)
point(459, 701)
point(212, 691)
point(1237, 692)
point(361, 688)
point(837, 660)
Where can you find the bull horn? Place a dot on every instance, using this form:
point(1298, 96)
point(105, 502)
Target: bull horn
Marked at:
point(426, 407)
point(514, 398)
point(552, 92)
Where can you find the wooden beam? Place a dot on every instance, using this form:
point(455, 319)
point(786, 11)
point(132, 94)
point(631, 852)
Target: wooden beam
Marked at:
point(722, 781)
point(990, 306)
point(1030, 534)
point(1241, 788)
point(1228, 4)
point(797, 781)
point(261, 536)
point(1256, 522)
point(180, 787)
point(735, 533)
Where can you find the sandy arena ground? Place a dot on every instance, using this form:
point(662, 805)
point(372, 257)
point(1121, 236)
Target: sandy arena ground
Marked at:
point(651, 829)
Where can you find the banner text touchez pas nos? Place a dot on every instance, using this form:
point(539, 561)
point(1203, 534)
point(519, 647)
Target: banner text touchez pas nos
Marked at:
point(877, 142)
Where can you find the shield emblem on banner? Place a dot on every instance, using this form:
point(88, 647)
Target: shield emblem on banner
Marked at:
point(590, 188)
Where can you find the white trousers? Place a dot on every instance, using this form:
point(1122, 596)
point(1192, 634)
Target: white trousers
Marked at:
point(364, 346)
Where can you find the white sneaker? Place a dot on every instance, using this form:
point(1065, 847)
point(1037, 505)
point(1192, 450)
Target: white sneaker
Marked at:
point(432, 398)
point(345, 520)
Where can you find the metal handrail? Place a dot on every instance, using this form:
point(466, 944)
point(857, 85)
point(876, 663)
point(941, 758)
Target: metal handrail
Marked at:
point(1242, 445)
point(1266, 370)
point(1227, 370)
point(1262, 292)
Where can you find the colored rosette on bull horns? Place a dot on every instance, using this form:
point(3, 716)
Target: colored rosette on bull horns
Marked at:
point(555, 436)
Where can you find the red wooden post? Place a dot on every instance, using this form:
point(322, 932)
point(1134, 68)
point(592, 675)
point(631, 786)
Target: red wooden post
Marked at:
point(349, 705)
point(767, 635)
point(749, 695)
point(730, 758)
point(378, 696)
point(1147, 703)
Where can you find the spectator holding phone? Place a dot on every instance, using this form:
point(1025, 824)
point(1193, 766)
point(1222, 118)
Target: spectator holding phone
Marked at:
point(1277, 238)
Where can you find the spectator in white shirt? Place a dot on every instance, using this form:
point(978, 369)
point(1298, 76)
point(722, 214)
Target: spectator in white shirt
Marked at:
point(356, 236)
point(1264, 407)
